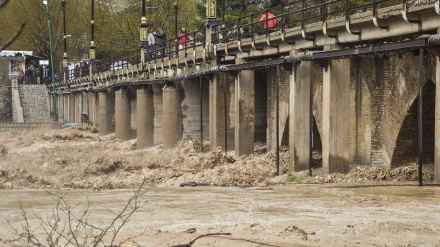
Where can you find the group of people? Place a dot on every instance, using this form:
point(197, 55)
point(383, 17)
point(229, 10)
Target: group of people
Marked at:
point(183, 39)
point(268, 21)
point(30, 76)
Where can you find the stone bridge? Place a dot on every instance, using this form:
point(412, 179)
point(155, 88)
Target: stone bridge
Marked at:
point(357, 85)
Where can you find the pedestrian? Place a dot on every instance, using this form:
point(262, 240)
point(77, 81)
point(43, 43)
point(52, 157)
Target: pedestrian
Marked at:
point(182, 38)
point(28, 75)
point(162, 36)
point(268, 21)
point(151, 44)
point(21, 74)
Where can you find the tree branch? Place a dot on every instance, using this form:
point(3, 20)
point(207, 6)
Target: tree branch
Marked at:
point(14, 37)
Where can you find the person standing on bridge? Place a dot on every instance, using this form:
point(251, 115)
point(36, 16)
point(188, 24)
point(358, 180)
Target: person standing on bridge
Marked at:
point(162, 36)
point(151, 44)
point(182, 38)
point(268, 21)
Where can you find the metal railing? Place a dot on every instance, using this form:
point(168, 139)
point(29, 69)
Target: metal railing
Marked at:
point(295, 14)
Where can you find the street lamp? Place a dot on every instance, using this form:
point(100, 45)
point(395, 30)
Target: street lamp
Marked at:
point(54, 96)
point(176, 9)
point(143, 28)
point(65, 58)
point(92, 51)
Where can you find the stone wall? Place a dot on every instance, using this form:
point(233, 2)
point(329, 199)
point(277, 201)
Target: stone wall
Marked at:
point(35, 102)
point(27, 126)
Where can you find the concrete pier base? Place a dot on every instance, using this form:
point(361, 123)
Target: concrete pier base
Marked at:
point(172, 127)
point(105, 113)
point(300, 117)
point(336, 115)
point(244, 112)
point(145, 118)
point(122, 114)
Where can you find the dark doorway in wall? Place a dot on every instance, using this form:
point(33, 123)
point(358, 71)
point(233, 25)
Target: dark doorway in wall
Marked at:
point(406, 149)
point(260, 120)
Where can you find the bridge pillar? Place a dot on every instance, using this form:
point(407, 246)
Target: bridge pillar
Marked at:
point(437, 123)
point(336, 115)
point(105, 115)
point(300, 116)
point(72, 108)
point(122, 114)
point(66, 108)
point(221, 111)
point(158, 116)
point(145, 118)
point(244, 112)
point(78, 108)
point(91, 108)
point(195, 104)
point(171, 127)
point(61, 108)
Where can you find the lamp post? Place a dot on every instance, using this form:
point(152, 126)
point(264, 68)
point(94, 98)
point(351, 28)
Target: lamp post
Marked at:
point(92, 52)
point(211, 13)
point(176, 9)
point(54, 96)
point(143, 28)
point(65, 58)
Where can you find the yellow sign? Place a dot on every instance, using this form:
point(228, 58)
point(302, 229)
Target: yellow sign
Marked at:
point(92, 54)
point(211, 9)
point(144, 34)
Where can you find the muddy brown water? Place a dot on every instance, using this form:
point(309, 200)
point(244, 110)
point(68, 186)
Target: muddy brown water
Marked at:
point(291, 215)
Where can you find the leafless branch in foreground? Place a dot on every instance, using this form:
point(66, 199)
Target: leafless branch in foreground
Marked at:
point(69, 225)
point(14, 37)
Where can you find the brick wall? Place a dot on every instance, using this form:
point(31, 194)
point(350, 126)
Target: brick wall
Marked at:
point(284, 91)
point(360, 112)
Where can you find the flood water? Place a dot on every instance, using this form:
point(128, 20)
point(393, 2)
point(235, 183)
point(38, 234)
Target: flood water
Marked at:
point(293, 215)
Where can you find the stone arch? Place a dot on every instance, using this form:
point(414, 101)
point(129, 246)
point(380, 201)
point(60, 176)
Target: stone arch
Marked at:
point(401, 77)
point(406, 148)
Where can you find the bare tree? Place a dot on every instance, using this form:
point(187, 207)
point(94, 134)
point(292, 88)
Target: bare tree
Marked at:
point(16, 34)
point(69, 225)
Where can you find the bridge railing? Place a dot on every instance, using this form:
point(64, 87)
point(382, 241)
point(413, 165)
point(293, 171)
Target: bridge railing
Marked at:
point(297, 13)
point(294, 14)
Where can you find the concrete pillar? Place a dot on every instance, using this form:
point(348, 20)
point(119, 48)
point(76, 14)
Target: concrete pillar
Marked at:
point(336, 115)
point(145, 118)
point(72, 108)
point(66, 107)
point(221, 130)
point(158, 110)
point(105, 113)
point(437, 123)
point(61, 108)
point(122, 114)
point(191, 109)
point(91, 108)
point(171, 126)
point(78, 108)
point(244, 112)
point(299, 116)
